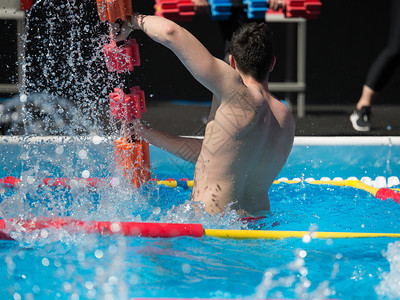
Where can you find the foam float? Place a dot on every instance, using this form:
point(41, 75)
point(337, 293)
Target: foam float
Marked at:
point(165, 230)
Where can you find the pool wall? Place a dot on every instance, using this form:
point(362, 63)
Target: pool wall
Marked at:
point(313, 157)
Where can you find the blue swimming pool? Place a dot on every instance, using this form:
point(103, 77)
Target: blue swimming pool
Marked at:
point(56, 264)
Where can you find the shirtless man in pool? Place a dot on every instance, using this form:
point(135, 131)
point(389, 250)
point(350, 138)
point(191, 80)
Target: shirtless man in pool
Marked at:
point(249, 134)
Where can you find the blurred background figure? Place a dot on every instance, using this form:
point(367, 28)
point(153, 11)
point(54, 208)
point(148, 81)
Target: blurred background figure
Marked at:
point(379, 73)
point(237, 19)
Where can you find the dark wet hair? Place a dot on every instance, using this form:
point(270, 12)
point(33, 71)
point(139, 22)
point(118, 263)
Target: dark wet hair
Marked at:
point(251, 47)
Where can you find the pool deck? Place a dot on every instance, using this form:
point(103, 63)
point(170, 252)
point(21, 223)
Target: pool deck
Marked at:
point(183, 119)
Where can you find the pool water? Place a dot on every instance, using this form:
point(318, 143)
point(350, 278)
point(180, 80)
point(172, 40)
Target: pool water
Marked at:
point(56, 264)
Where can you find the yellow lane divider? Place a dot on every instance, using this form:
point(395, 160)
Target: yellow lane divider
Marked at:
point(352, 183)
point(379, 193)
point(348, 182)
point(276, 235)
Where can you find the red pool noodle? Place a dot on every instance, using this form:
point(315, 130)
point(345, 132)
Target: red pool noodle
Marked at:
point(11, 181)
point(4, 235)
point(64, 182)
point(149, 229)
point(384, 194)
point(154, 230)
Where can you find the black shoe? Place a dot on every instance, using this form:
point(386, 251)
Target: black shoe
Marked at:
point(360, 119)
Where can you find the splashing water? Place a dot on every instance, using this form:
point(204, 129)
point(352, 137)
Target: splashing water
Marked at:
point(293, 275)
point(41, 114)
point(65, 93)
point(389, 286)
point(63, 46)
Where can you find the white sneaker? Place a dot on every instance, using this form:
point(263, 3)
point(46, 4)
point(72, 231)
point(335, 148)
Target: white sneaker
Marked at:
point(360, 119)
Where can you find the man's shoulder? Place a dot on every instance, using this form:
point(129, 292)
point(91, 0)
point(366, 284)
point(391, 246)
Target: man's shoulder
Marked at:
point(241, 97)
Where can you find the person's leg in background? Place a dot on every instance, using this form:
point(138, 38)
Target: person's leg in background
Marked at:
point(379, 73)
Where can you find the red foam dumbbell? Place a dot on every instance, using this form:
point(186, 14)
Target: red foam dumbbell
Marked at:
point(176, 10)
point(127, 106)
point(25, 4)
point(112, 10)
point(308, 9)
point(122, 58)
point(134, 160)
point(313, 8)
point(186, 9)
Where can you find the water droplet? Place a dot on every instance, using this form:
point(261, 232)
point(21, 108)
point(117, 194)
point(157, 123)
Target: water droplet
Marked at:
point(307, 284)
point(302, 253)
point(82, 154)
point(14, 116)
point(45, 262)
point(115, 181)
point(98, 253)
point(17, 296)
point(89, 285)
point(30, 179)
point(303, 271)
point(36, 289)
point(23, 98)
point(113, 280)
point(67, 286)
point(86, 174)
point(306, 238)
point(115, 227)
point(75, 183)
point(60, 150)
point(96, 140)
point(57, 263)
point(186, 268)
point(44, 233)
point(74, 296)
point(25, 156)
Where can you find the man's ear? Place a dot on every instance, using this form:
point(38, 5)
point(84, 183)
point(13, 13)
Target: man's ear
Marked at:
point(232, 62)
point(271, 68)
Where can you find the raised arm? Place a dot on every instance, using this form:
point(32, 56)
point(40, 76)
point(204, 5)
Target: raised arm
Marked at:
point(210, 71)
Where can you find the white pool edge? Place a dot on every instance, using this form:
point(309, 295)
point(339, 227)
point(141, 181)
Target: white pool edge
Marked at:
point(347, 140)
point(300, 140)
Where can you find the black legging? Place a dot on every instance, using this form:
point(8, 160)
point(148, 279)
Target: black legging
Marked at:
point(386, 63)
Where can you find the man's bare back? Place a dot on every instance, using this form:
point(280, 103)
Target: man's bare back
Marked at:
point(250, 133)
point(245, 146)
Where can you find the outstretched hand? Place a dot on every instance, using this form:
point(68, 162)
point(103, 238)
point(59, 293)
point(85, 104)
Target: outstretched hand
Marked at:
point(277, 4)
point(135, 130)
point(119, 31)
point(201, 6)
